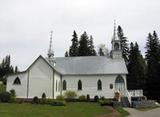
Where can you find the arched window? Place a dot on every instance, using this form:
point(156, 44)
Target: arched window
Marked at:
point(99, 85)
point(64, 85)
point(79, 85)
point(119, 79)
point(116, 46)
point(17, 81)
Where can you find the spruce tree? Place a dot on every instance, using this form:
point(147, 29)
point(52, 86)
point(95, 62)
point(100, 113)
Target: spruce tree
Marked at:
point(153, 66)
point(84, 45)
point(100, 52)
point(66, 54)
point(5, 68)
point(92, 51)
point(73, 51)
point(136, 68)
point(124, 44)
point(16, 69)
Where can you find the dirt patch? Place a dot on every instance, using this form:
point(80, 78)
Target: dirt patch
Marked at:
point(114, 112)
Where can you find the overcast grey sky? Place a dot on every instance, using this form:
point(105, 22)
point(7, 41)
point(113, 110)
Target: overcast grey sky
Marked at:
point(25, 24)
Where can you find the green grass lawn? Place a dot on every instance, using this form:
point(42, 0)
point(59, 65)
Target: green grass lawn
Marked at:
point(70, 110)
point(122, 112)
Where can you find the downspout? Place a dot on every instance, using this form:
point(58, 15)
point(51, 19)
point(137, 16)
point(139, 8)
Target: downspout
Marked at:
point(53, 85)
point(61, 85)
point(28, 84)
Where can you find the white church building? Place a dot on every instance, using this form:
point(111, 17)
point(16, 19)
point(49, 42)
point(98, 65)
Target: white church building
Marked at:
point(87, 75)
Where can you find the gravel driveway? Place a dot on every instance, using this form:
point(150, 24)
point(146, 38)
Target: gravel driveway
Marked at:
point(136, 113)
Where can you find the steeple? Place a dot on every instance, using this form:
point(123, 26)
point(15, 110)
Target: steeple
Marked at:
point(115, 32)
point(116, 52)
point(50, 51)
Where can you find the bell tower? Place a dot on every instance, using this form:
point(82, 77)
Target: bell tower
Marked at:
point(116, 52)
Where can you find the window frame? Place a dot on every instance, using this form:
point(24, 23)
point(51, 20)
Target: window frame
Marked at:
point(99, 85)
point(64, 88)
point(79, 85)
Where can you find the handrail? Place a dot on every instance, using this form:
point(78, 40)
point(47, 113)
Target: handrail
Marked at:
point(128, 96)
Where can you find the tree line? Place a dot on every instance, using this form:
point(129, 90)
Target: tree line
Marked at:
point(83, 47)
point(6, 68)
point(143, 71)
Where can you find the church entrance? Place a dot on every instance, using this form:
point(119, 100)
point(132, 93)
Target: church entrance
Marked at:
point(120, 85)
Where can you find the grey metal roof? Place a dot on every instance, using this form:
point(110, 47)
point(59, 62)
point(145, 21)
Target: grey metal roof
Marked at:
point(89, 65)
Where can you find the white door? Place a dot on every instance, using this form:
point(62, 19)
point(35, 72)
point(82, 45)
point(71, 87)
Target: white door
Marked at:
point(120, 85)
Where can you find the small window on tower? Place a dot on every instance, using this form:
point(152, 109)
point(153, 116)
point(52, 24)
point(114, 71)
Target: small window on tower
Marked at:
point(116, 46)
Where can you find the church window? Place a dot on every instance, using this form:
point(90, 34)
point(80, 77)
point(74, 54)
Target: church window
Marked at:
point(99, 85)
point(79, 85)
point(111, 86)
point(64, 85)
point(17, 81)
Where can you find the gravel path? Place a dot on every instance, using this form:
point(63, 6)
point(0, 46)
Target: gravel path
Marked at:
point(150, 113)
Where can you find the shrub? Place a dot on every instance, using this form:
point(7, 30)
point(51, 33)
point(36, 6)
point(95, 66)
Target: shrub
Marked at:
point(96, 98)
point(48, 101)
point(43, 99)
point(104, 102)
point(43, 96)
point(5, 97)
point(57, 103)
point(102, 98)
point(13, 95)
point(19, 101)
point(88, 97)
point(60, 97)
point(35, 100)
point(82, 98)
point(70, 94)
point(2, 88)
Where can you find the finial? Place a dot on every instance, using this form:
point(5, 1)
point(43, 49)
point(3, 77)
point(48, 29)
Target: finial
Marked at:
point(114, 25)
point(114, 33)
point(50, 51)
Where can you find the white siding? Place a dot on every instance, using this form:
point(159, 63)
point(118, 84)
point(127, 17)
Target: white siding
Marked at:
point(21, 90)
point(89, 85)
point(40, 79)
point(58, 81)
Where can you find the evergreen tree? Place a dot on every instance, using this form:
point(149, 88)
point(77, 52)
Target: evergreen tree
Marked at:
point(92, 51)
point(84, 45)
point(124, 44)
point(16, 69)
point(153, 66)
point(73, 51)
point(136, 68)
point(100, 52)
point(5, 68)
point(66, 54)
